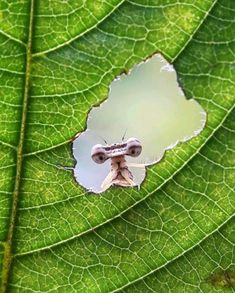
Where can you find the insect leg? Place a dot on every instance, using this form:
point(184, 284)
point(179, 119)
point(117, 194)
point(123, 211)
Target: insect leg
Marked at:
point(126, 174)
point(108, 180)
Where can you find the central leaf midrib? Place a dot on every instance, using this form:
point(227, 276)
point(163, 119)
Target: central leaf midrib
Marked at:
point(8, 255)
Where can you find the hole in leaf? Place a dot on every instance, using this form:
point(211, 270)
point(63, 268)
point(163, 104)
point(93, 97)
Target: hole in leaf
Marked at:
point(147, 104)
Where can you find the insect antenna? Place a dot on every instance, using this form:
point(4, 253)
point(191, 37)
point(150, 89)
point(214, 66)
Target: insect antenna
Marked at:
point(66, 168)
point(124, 134)
point(103, 140)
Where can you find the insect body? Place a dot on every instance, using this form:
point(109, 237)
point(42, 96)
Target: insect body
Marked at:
point(119, 174)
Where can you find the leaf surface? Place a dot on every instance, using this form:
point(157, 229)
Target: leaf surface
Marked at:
point(57, 62)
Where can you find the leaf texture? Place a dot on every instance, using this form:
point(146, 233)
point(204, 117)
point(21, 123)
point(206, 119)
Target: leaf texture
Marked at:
point(177, 232)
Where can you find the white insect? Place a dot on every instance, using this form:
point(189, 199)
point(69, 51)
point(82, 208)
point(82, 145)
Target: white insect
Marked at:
point(119, 173)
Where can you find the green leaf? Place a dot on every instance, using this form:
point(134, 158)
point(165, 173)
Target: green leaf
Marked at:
point(177, 232)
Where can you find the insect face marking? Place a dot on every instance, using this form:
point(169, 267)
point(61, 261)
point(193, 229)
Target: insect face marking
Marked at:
point(119, 174)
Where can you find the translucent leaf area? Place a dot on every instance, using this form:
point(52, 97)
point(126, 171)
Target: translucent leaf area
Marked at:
point(58, 59)
point(146, 104)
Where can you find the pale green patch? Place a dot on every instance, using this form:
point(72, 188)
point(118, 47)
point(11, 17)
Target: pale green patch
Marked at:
point(147, 104)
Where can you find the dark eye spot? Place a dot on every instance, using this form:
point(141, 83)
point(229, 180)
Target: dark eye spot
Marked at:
point(101, 158)
point(133, 152)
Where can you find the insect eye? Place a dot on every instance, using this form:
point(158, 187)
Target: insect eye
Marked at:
point(134, 147)
point(134, 151)
point(98, 154)
point(99, 158)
